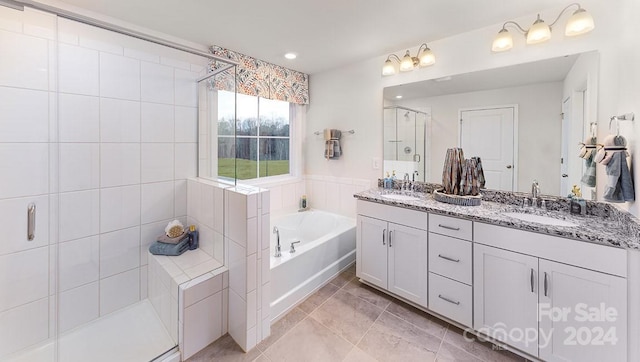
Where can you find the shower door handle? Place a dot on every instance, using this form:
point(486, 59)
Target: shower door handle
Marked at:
point(31, 221)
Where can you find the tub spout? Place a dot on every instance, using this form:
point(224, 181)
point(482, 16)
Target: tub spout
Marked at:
point(278, 253)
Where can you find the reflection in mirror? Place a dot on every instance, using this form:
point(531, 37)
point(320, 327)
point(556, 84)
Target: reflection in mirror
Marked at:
point(405, 141)
point(526, 121)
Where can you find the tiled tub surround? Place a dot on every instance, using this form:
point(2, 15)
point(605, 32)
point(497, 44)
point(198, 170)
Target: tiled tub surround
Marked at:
point(603, 224)
point(99, 131)
point(327, 193)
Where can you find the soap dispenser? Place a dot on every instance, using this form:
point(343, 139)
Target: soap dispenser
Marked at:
point(194, 238)
point(577, 204)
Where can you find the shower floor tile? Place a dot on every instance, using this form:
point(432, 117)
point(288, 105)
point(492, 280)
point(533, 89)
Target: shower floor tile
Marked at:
point(132, 334)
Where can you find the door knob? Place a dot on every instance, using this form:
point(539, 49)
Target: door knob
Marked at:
point(509, 166)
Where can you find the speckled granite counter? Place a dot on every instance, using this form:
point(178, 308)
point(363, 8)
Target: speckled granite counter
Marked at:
point(617, 229)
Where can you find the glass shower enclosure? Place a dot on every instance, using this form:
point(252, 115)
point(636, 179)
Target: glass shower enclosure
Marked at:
point(405, 142)
point(98, 136)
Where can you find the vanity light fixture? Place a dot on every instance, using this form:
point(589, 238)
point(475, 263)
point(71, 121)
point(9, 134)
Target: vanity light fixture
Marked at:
point(580, 22)
point(424, 58)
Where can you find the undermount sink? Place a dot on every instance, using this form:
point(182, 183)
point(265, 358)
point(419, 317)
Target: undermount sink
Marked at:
point(539, 219)
point(399, 197)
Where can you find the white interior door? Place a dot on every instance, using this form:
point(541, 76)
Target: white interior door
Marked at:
point(489, 134)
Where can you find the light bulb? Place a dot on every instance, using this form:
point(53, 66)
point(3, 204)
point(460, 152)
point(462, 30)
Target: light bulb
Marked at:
point(539, 32)
point(406, 64)
point(427, 58)
point(579, 23)
point(503, 41)
point(388, 68)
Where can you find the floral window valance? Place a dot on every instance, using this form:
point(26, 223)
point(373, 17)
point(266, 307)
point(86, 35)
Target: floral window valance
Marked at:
point(261, 79)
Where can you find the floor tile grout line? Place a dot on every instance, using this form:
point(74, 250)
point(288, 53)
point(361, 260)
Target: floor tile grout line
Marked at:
point(369, 329)
point(285, 333)
point(442, 341)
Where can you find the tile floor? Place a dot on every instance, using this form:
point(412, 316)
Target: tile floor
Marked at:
point(349, 321)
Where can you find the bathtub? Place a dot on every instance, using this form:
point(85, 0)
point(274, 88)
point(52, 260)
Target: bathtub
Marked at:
point(327, 246)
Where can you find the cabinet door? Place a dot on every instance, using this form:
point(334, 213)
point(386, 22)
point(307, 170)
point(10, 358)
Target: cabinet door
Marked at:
point(408, 273)
point(506, 297)
point(371, 251)
point(583, 314)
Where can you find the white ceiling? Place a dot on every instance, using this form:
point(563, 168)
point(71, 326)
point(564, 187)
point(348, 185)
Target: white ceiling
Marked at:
point(542, 71)
point(324, 33)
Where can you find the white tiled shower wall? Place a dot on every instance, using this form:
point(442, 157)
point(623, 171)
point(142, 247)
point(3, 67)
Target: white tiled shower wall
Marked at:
point(100, 132)
point(244, 230)
point(328, 193)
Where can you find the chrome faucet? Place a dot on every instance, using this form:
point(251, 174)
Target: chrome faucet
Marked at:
point(278, 253)
point(535, 193)
point(293, 248)
point(405, 182)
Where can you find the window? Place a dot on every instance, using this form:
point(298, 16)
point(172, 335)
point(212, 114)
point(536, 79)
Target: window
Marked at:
point(261, 143)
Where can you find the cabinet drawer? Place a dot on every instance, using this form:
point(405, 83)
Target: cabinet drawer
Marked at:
point(450, 299)
point(451, 226)
point(450, 257)
point(398, 215)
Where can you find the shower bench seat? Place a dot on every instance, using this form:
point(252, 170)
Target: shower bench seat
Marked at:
point(190, 294)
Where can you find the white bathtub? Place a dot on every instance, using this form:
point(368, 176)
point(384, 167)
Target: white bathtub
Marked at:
point(327, 246)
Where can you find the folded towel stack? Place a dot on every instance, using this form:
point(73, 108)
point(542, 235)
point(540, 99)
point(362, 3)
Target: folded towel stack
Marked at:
point(332, 147)
point(170, 248)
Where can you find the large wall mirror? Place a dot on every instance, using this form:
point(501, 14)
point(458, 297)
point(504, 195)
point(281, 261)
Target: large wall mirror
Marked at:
point(525, 121)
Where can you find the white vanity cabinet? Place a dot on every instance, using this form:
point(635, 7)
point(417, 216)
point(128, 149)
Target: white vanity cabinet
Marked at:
point(595, 326)
point(554, 298)
point(506, 296)
point(393, 255)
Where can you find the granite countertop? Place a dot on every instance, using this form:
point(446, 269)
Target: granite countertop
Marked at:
point(590, 228)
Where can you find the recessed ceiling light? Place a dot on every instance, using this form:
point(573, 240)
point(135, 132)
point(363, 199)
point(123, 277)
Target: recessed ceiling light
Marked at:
point(398, 97)
point(291, 55)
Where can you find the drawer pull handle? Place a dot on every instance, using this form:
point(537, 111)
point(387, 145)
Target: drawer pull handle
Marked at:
point(448, 258)
point(448, 227)
point(384, 233)
point(546, 284)
point(390, 238)
point(448, 300)
point(531, 277)
point(31, 221)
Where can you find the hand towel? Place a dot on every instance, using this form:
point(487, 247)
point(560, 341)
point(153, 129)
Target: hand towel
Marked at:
point(619, 186)
point(589, 177)
point(327, 134)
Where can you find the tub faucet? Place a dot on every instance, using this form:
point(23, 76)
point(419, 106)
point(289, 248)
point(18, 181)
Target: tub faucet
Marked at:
point(278, 253)
point(293, 248)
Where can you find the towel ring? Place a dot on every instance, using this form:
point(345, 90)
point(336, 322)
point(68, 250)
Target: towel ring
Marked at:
point(617, 125)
